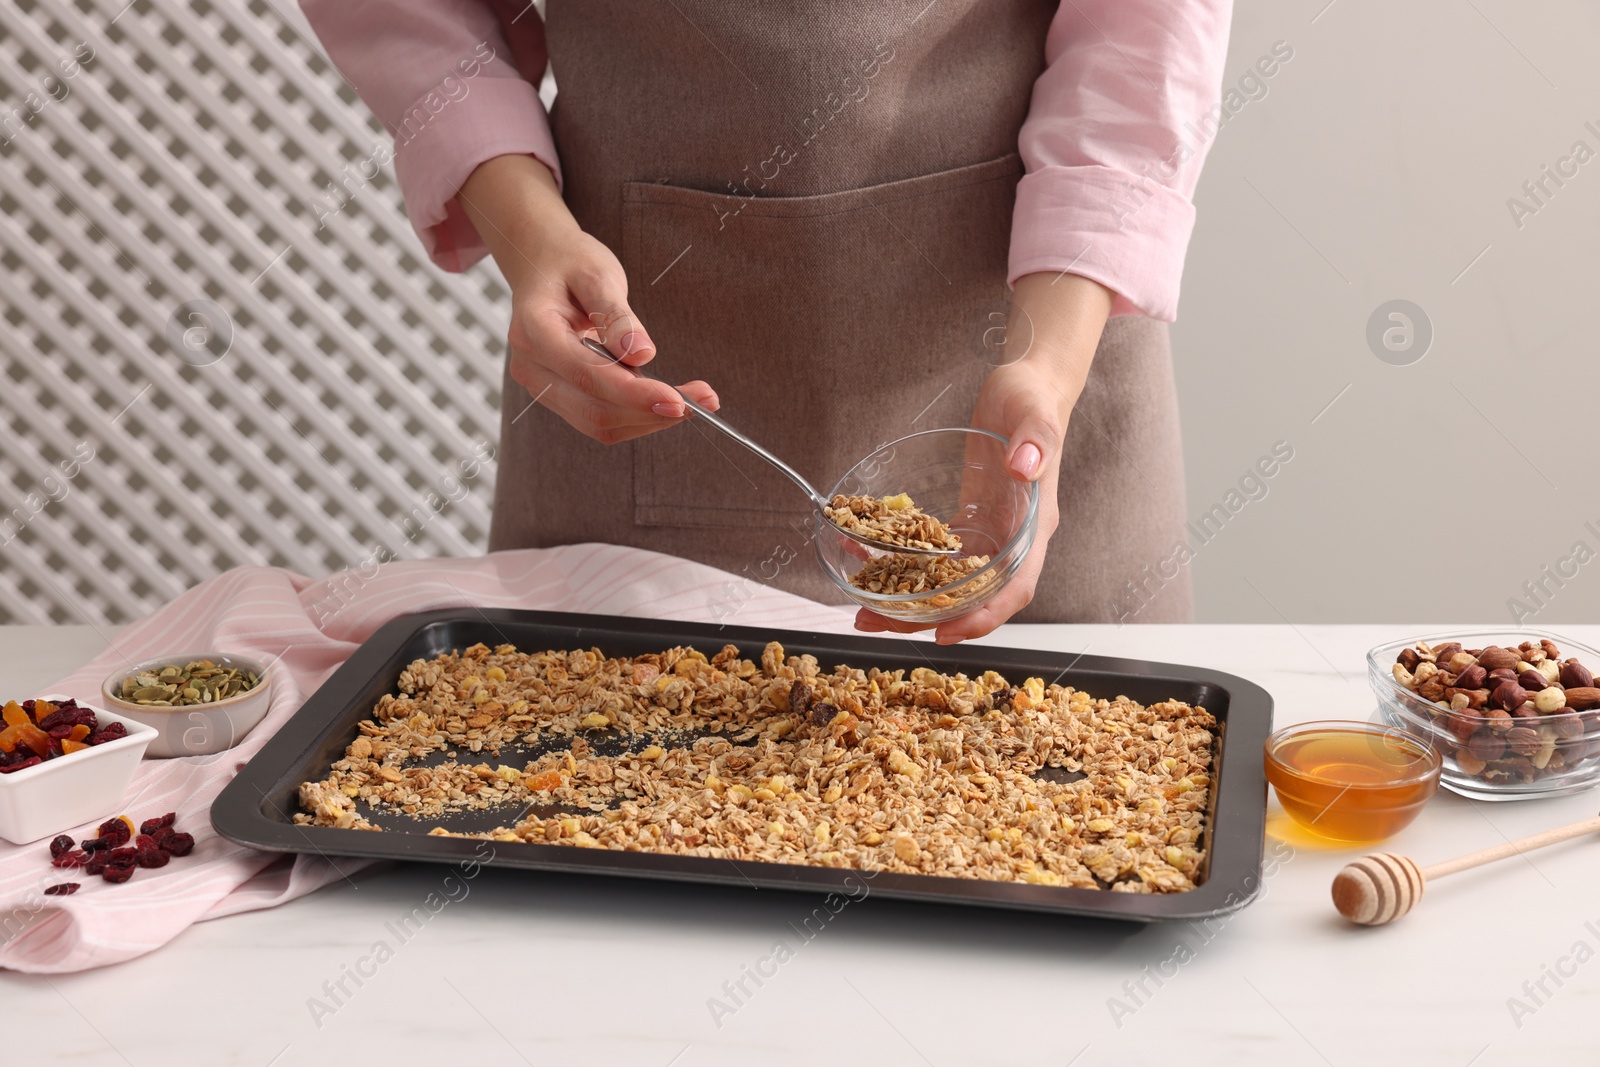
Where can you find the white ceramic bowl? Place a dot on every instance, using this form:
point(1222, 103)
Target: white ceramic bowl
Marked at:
point(198, 729)
point(58, 794)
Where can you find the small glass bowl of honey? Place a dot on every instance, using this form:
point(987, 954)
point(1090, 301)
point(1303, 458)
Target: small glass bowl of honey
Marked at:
point(1350, 781)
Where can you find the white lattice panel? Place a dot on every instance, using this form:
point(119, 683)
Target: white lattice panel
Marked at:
point(188, 158)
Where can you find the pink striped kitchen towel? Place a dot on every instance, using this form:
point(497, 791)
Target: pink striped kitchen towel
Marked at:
point(307, 629)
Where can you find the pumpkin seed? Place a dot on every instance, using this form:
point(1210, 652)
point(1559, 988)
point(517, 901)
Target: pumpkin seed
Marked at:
point(198, 682)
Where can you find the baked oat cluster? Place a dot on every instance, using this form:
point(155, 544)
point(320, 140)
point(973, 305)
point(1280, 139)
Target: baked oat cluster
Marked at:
point(897, 574)
point(891, 520)
point(915, 772)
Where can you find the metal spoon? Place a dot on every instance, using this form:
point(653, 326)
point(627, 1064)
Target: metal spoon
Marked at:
point(818, 501)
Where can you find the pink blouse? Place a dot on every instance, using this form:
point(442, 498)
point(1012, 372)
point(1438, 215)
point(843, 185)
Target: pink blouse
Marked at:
point(1117, 130)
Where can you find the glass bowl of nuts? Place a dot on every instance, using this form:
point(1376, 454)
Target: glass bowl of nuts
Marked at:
point(201, 703)
point(1515, 713)
point(958, 479)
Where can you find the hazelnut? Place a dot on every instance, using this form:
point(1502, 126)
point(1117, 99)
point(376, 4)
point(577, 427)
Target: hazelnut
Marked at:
point(1532, 681)
point(1520, 766)
point(1472, 678)
point(1459, 701)
point(1502, 674)
point(1409, 659)
point(1523, 740)
point(1474, 652)
point(1459, 662)
point(1462, 727)
point(1468, 763)
point(1566, 724)
point(1494, 658)
point(1507, 695)
point(1488, 746)
point(1499, 721)
point(1549, 701)
point(1583, 697)
point(1524, 710)
point(1443, 653)
point(1576, 675)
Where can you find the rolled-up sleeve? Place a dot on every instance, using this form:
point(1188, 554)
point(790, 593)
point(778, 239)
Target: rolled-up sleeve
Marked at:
point(455, 82)
point(1117, 130)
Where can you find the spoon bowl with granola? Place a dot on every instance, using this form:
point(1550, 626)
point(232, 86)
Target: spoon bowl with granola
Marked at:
point(986, 522)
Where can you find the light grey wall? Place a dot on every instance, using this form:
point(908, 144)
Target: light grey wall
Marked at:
point(1378, 167)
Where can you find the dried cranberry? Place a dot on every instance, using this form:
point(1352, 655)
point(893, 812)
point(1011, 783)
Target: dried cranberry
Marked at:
point(179, 844)
point(154, 857)
point(21, 765)
point(61, 889)
point(110, 732)
point(117, 874)
point(94, 844)
point(116, 832)
point(71, 858)
point(59, 733)
point(151, 826)
point(97, 862)
point(60, 845)
point(145, 843)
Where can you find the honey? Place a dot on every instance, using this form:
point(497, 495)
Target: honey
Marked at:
point(1352, 781)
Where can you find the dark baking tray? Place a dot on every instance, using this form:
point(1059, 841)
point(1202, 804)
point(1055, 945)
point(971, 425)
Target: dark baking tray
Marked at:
point(256, 808)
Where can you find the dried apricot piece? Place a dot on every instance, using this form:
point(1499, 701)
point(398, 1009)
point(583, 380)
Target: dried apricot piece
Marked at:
point(13, 714)
point(543, 783)
point(69, 746)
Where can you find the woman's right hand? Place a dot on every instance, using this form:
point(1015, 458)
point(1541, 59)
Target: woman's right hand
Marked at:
point(566, 285)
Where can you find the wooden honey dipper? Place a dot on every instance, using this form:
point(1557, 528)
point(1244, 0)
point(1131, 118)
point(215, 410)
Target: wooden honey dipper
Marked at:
point(1380, 888)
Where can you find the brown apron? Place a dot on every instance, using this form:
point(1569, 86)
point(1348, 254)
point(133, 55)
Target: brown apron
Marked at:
point(813, 201)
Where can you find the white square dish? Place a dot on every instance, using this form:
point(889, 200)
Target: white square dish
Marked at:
point(58, 794)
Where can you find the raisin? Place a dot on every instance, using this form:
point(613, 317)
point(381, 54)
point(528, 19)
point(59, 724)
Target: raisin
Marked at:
point(822, 713)
point(61, 889)
point(799, 697)
point(1001, 698)
point(117, 874)
point(60, 845)
point(179, 844)
point(154, 857)
point(151, 826)
point(71, 858)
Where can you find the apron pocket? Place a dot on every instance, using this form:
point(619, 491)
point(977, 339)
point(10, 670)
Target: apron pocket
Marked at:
point(827, 324)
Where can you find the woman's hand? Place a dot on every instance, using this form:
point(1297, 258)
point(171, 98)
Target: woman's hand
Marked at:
point(566, 285)
point(1054, 327)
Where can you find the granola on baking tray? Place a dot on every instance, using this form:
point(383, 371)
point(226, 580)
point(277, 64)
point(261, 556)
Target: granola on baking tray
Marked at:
point(916, 772)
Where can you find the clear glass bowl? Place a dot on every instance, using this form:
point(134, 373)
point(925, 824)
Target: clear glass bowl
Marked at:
point(957, 475)
point(1504, 778)
point(1351, 781)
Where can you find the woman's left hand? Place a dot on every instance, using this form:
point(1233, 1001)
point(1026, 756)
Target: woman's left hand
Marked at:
point(1054, 327)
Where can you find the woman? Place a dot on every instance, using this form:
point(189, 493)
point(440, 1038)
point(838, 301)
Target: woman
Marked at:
point(812, 211)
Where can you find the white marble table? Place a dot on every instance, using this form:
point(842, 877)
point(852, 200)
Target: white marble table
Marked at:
point(536, 969)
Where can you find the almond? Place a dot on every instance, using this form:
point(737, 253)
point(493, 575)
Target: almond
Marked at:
point(1583, 697)
point(1494, 657)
